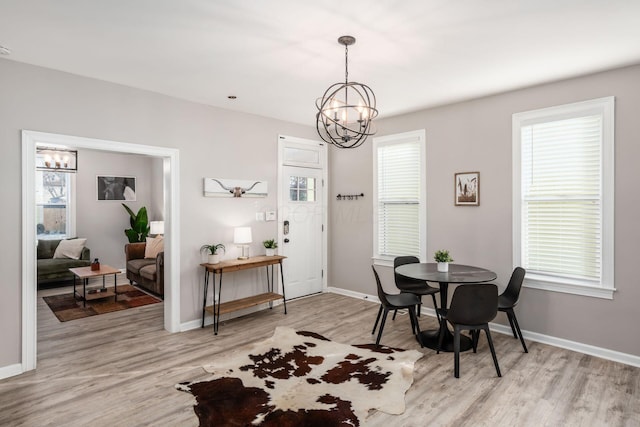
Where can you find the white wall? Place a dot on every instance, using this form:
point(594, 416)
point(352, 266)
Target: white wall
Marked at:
point(213, 143)
point(103, 222)
point(476, 136)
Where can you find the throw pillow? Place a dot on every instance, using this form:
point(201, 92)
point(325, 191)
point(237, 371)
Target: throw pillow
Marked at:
point(70, 248)
point(154, 246)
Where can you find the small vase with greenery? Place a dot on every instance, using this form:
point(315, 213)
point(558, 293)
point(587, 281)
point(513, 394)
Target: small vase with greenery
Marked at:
point(213, 257)
point(271, 246)
point(139, 225)
point(443, 259)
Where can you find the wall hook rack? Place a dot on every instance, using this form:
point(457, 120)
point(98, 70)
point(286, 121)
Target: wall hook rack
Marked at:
point(349, 196)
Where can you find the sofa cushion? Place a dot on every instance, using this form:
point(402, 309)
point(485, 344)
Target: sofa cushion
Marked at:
point(46, 248)
point(135, 265)
point(154, 246)
point(52, 267)
point(149, 272)
point(69, 248)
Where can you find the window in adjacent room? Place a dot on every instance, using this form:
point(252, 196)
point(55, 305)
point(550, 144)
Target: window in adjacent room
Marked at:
point(563, 173)
point(399, 203)
point(54, 198)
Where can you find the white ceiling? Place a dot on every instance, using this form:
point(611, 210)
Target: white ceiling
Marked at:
point(278, 56)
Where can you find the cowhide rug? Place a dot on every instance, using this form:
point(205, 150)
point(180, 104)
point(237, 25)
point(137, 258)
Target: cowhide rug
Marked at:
point(303, 379)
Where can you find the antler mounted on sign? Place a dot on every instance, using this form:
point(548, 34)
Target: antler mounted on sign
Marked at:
point(219, 187)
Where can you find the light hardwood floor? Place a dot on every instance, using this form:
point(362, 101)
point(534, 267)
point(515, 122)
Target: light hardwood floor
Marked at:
point(119, 369)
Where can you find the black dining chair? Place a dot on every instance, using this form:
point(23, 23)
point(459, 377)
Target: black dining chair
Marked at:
point(509, 299)
point(393, 302)
point(472, 308)
point(413, 286)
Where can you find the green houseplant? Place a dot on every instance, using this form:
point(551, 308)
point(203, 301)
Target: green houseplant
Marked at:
point(139, 225)
point(212, 252)
point(270, 245)
point(443, 259)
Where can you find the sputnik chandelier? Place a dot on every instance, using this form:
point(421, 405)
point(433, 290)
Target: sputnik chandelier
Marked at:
point(346, 110)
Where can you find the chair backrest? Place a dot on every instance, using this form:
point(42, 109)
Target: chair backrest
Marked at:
point(382, 296)
point(401, 281)
point(512, 293)
point(473, 304)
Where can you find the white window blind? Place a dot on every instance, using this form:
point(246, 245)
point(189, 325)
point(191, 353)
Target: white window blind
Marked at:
point(563, 200)
point(562, 210)
point(400, 193)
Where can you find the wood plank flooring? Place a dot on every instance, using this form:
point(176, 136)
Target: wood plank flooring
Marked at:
point(119, 369)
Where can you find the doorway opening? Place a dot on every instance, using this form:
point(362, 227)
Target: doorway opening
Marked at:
point(170, 161)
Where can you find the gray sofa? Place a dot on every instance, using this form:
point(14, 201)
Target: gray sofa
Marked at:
point(148, 273)
point(52, 269)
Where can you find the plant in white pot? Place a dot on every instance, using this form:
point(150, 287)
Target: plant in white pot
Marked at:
point(443, 259)
point(213, 257)
point(271, 246)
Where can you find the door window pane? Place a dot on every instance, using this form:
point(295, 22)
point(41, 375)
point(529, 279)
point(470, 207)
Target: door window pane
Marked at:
point(302, 189)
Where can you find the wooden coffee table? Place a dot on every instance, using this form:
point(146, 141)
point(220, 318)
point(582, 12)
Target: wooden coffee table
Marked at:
point(85, 273)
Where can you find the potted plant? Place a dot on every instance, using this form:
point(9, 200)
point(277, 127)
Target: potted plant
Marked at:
point(443, 259)
point(139, 225)
point(213, 257)
point(271, 246)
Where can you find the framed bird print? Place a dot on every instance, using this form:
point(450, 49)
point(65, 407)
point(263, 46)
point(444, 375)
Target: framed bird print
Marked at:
point(224, 187)
point(467, 189)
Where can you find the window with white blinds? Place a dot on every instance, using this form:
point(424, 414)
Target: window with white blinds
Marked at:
point(399, 213)
point(563, 214)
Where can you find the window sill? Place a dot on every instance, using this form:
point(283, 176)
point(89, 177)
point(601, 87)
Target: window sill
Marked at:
point(537, 282)
point(382, 261)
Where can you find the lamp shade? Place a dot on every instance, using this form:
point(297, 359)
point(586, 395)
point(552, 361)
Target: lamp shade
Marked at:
point(242, 235)
point(156, 227)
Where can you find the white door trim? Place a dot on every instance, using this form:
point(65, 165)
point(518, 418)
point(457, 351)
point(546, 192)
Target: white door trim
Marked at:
point(171, 174)
point(282, 139)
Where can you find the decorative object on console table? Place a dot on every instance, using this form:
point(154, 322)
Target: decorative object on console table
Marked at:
point(443, 259)
point(213, 257)
point(242, 237)
point(139, 225)
point(95, 265)
point(271, 246)
point(467, 189)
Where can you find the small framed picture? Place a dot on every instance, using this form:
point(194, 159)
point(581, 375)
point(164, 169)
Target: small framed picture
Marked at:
point(116, 187)
point(467, 191)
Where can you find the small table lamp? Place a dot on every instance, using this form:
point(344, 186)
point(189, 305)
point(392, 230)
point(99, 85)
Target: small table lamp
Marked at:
point(156, 227)
point(242, 237)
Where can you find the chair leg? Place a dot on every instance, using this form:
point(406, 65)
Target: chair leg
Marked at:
point(493, 351)
point(435, 307)
point(475, 336)
point(384, 319)
point(394, 314)
point(456, 351)
point(419, 308)
point(510, 316)
point(375, 325)
point(515, 322)
point(415, 325)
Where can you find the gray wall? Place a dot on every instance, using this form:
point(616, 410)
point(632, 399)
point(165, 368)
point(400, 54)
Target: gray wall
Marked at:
point(476, 136)
point(103, 222)
point(213, 143)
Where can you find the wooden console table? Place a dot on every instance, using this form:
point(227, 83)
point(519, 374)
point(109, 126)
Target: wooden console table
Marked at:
point(228, 266)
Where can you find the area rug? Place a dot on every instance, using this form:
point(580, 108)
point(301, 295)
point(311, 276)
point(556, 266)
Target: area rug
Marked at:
point(302, 379)
point(66, 307)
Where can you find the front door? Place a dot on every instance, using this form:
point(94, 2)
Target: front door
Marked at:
point(302, 213)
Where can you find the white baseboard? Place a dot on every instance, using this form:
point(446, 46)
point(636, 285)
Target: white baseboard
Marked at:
point(10, 371)
point(604, 353)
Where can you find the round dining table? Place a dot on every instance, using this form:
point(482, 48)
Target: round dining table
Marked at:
point(457, 274)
